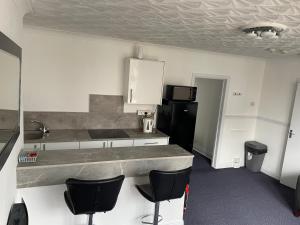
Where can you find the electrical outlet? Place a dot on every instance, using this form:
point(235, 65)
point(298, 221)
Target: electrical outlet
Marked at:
point(143, 112)
point(237, 93)
point(236, 163)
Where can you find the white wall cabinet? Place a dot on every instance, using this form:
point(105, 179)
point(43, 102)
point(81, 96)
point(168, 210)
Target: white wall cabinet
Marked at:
point(59, 146)
point(151, 141)
point(143, 82)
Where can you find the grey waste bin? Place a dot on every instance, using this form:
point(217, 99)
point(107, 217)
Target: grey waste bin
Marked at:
point(254, 155)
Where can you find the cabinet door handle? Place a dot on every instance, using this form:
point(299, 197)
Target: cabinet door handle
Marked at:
point(103, 144)
point(44, 147)
point(131, 95)
point(111, 144)
point(151, 143)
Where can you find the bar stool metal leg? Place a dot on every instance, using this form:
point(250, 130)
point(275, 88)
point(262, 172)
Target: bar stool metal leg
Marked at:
point(91, 219)
point(156, 213)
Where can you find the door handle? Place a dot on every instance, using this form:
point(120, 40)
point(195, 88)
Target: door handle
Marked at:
point(130, 95)
point(291, 134)
point(151, 143)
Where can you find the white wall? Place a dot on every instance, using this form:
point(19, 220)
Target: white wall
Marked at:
point(275, 108)
point(47, 204)
point(11, 22)
point(9, 85)
point(62, 69)
point(209, 93)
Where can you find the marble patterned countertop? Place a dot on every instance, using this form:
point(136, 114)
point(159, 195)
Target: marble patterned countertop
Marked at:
point(83, 135)
point(54, 167)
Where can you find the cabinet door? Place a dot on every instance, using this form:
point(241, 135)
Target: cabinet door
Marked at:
point(60, 146)
point(145, 82)
point(93, 144)
point(151, 141)
point(32, 146)
point(120, 143)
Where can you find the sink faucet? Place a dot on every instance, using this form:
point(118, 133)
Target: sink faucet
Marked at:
point(42, 126)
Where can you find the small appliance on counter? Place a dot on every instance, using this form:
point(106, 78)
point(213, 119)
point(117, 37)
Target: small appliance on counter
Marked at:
point(148, 123)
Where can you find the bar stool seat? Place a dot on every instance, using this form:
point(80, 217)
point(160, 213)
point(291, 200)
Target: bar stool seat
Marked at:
point(91, 196)
point(164, 185)
point(146, 191)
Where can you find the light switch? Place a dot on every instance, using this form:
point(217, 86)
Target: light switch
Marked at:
point(236, 93)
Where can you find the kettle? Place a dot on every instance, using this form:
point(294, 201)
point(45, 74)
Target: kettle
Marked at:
point(147, 125)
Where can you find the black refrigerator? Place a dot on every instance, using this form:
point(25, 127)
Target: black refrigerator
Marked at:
point(177, 119)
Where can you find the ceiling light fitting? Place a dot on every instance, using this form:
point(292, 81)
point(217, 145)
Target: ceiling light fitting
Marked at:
point(263, 30)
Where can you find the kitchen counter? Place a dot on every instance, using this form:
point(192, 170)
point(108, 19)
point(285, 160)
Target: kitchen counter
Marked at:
point(83, 135)
point(54, 167)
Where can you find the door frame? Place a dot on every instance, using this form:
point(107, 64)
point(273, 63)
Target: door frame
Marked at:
point(289, 128)
point(223, 104)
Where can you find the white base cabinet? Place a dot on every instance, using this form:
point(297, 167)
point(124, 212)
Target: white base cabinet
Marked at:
point(151, 141)
point(120, 143)
point(32, 146)
point(96, 144)
point(106, 144)
point(92, 144)
point(60, 146)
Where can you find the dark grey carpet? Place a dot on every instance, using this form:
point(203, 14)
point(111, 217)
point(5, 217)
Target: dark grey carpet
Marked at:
point(236, 197)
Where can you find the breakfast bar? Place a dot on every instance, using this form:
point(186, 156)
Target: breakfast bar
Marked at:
point(41, 184)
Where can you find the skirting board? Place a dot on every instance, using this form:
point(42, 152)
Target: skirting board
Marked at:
point(268, 173)
point(224, 165)
point(202, 153)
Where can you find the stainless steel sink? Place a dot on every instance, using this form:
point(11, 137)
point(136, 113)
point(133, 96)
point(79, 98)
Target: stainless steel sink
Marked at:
point(33, 135)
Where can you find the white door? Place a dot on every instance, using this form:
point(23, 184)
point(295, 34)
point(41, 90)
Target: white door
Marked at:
point(291, 163)
point(145, 82)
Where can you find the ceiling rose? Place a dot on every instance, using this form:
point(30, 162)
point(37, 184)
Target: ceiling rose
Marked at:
point(263, 30)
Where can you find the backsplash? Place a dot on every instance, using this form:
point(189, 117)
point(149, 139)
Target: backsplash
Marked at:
point(9, 119)
point(105, 112)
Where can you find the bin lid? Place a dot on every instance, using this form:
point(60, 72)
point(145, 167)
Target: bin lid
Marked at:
point(256, 148)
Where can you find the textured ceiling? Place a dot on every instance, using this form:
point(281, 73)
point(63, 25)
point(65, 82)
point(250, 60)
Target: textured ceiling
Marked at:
point(198, 24)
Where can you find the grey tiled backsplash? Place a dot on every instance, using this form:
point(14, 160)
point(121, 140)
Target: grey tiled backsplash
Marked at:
point(9, 119)
point(105, 112)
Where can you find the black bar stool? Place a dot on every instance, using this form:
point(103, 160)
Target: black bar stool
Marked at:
point(164, 185)
point(91, 196)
